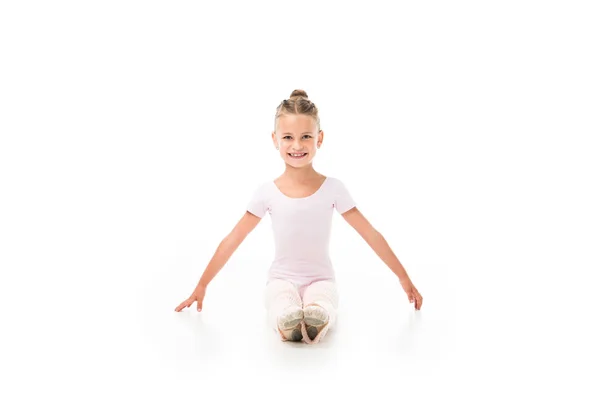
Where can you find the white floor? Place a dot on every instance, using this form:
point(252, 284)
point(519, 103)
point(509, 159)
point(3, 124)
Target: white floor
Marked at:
point(120, 338)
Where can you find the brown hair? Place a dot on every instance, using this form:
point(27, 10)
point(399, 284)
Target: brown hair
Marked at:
point(298, 103)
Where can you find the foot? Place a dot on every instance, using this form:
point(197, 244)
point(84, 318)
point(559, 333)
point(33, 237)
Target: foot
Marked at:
point(315, 319)
point(289, 324)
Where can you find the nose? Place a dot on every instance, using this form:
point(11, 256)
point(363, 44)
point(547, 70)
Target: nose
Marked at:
point(297, 146)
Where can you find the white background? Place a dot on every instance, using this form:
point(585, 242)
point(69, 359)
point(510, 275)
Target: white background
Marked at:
point(134, 133)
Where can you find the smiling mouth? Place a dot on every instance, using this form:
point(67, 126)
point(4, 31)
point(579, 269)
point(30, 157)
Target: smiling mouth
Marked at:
point(298, 157)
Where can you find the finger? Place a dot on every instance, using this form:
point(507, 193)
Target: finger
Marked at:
point(183, 305)
point(190, 301)
point(179, 307)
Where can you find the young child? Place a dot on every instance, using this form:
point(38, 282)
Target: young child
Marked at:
point(301, 298)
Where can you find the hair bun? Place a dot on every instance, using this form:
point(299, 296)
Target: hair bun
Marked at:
point(298, 93)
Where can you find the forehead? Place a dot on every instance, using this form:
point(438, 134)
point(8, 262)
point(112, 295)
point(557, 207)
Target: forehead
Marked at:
point(296, 124)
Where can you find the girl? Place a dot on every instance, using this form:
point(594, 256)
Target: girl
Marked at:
point(301, 297)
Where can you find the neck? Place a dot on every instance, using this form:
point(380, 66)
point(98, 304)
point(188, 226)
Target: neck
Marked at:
point(304, 174)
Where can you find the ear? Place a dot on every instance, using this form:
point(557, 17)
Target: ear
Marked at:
point(274, 138)
point(320, 138)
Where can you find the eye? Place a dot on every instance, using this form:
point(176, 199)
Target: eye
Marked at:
point(308, 136)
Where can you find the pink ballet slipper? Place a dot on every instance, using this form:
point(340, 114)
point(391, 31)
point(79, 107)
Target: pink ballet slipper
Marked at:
point(288, 325)
point(315, 324)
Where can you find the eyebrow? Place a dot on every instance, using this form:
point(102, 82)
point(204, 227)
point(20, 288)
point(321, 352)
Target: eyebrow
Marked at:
point(289, 133)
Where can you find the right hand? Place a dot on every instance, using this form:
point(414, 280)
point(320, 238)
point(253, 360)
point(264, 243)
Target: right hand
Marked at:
point(197, 296)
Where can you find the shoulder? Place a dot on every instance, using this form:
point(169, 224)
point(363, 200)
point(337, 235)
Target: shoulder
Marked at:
point(342, 199)
point(336, 183)
point(332, 180)
point(263, 187)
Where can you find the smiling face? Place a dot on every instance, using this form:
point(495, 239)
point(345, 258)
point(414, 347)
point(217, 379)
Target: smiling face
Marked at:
point(297, 138)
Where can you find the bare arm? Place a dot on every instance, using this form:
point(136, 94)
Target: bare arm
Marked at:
point(376, 241)
point(381, 247)
point(228, 246)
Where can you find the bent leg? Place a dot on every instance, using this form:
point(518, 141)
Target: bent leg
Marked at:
point(321, 302)
point(284, 309)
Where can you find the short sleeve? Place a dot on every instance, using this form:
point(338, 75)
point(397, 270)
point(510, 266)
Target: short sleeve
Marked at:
point(257, 203)
point(343, 199)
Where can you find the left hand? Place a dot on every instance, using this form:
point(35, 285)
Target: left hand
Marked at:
point(413, 294)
